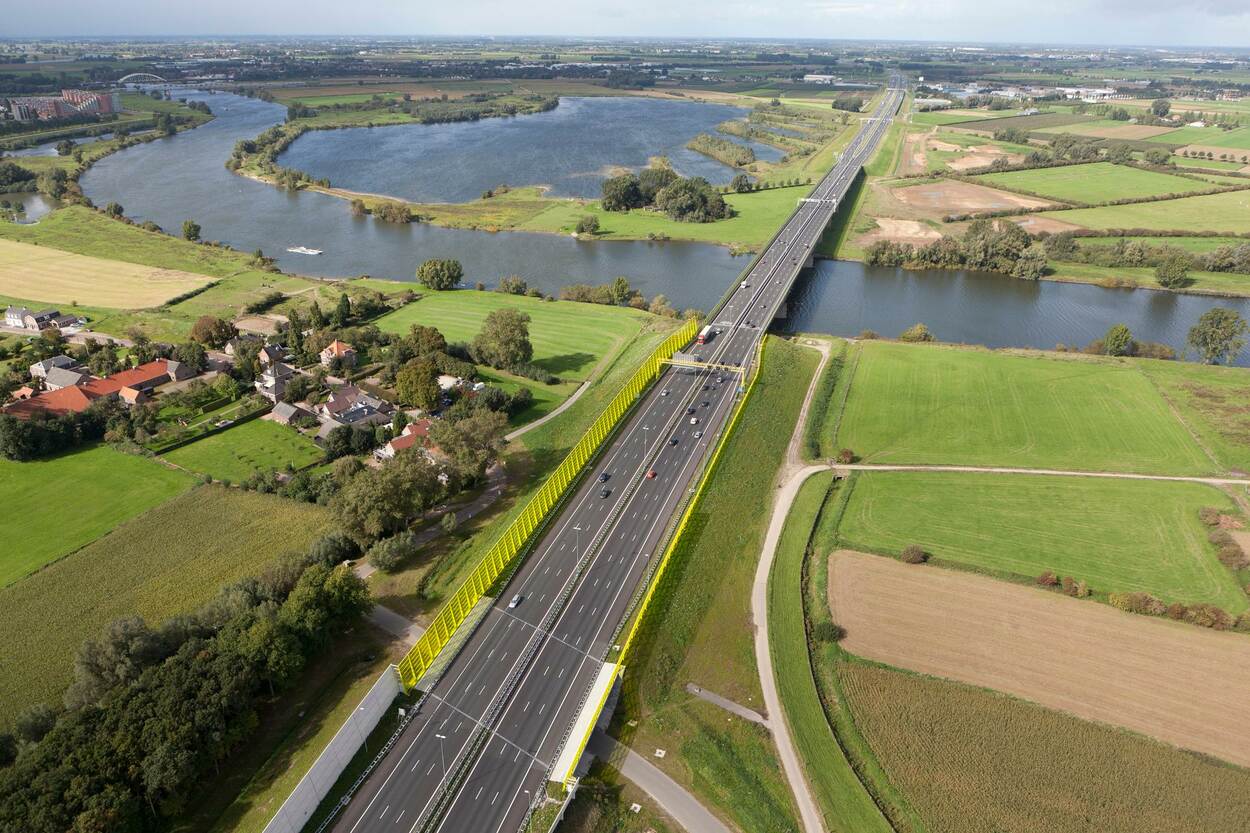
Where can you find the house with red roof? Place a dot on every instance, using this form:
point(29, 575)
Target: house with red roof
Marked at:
point(338, 350)
point(130, 386)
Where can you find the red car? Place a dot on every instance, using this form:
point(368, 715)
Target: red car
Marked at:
point(651, 474)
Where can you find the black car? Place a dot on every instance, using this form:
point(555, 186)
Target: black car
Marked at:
point(605, 493)
point(672, 441)
point(603, 478)
point(690, 410)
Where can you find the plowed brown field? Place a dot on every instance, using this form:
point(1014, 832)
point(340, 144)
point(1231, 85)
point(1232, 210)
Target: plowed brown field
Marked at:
point(1178, 683)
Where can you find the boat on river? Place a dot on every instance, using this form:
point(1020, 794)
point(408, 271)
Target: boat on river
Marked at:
point(303, 250)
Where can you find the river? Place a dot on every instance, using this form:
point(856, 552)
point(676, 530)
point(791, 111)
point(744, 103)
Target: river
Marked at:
point(183, 177)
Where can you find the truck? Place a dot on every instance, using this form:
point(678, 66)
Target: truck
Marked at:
point(705, 335)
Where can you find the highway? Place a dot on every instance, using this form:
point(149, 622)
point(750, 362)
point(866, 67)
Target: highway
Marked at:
point(489, 730)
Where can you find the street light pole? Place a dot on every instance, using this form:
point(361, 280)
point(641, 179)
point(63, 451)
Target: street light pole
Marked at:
point(441, 755)
point(578, 530)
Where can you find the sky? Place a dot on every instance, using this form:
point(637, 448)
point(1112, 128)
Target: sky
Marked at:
point(1140, 22)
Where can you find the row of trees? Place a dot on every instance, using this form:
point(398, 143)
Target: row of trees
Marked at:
point(154, 712)
point(1172, 264)
point(986, 246)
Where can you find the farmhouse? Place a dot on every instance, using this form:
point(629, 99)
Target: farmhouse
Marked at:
point(72, 392)
point(39, 370)
point(349, 405)
point(338, 350)
point(284, 413)
point(25, 319)
point(273, 379)
point(413, 435)
point(64, 377)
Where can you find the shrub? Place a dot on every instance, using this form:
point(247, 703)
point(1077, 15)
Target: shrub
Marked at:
point(1209, 616)
point(1047, 579)
point(1082, 589)
point(1243, 623)
point(389, 553)
point(846, 456)
point(1138, 602)
point(588, 224)
point(1231, 556)
point(916, 333)
point(868, 335)
point(828, 632)
point(1219, 537)
point(1176, 611)
point(1068, 584)
point(913, 554)
point(1209, 515)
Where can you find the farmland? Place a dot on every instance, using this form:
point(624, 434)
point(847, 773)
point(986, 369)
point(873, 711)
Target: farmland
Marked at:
point(1118, 535)
point(1212, 402)
point(1238, 139)
point(57, 277)
point(976, 407)
point(569, 338)
point(1094, 183)
point(1227, 212)
point(699, 630)
point(1146, 675)
point(259, 445)
point(56, 505)
point(166, 561)
point(972, 761)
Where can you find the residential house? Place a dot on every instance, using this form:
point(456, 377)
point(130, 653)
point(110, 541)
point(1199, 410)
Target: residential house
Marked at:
point(349, 405)
point(39, 370)
point(413, 436)
point(273, 380)
point(40, 320)
point(338, 350)
point(271, 353)
point(63, 377)
point(284, 413)
point(69, 391)
point(15, 316)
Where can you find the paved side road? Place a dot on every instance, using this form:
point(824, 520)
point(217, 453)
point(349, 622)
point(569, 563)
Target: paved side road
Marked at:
point(671, 796)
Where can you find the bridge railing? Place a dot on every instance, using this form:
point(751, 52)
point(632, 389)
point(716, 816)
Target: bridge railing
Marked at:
point(513, 539)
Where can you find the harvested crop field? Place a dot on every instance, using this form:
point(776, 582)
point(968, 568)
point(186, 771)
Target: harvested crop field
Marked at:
point(1034, 122)
point(974, 761)
point(57, 277)
point(900, 231)
point(1038, 223)
point(1178, 683)
point(981, 156)
point(947, 197)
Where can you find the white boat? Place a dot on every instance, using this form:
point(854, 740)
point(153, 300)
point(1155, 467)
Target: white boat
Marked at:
point(303, 250)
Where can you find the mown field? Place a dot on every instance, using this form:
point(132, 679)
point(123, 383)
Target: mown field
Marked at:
point(936, 404)
point(569, 338)
point(1118, 535)
point(166, 561)
point(698, 628)
point(54, 506)
point(972, 761)
point(845, 805)
point(1093, 183)
point(57, 277)
point(1227, 212)
point(238, 452)
point(1238, 139)
point(1214, 403)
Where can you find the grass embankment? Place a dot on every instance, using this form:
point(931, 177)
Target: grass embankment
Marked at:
point(235, 454)
point(846, 806)
point(973, 761)
point(80, 230)
point(1094, 183)
point(1118, 535)
point(56, 505)
point(698, 627)
point(602, 804)
point(976, 407)
point(166, 561)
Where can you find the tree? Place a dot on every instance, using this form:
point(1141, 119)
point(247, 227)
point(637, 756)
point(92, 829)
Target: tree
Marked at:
point(376, 503)
point(914, 554)
point(212, 331)
point(916, 333)
point(471, 443)
point(588, 224)
point(191, 231)
point(1158, 156)
point(1160, 107)
point(425, 340)
point(1118, 341)
point(504, 340)
point(417, 384)
point(740, 184)
point(1173, 271)
point(65, 147)
point(53, 182)
point(1031, 265)
point(32, 724)
point(692, 201)
point(114, 210)
point(621, 193)
point(192, 354)
point(440, 273)
point(342, 311)
point(1219, 335)
point(389, 553)
point(653, 180)
point(513, 285)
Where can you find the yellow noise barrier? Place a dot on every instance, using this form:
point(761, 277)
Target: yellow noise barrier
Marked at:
point(514, 538)
point(567, 779)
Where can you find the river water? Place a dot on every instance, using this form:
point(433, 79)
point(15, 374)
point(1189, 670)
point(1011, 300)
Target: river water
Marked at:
point(183, 177)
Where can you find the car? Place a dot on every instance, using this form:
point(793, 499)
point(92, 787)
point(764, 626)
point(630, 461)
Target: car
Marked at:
point(720, 379)
point(672, 441)
point(603, 478)
point(745, 285)
point(651, 474)
point(698, 435)
point(664, 392)
point(605, 493)
point(690, 410)
point(706, 387)
point(694, 420)
point(706, 403)
point(516, 600)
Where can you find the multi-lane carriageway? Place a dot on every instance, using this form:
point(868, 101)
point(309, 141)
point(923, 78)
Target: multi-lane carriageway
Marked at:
point(487, 733)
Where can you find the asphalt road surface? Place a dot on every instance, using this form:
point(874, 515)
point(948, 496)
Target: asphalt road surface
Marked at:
point(498, 716)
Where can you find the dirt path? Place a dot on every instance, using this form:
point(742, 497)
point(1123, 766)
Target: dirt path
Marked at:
point(790, 478)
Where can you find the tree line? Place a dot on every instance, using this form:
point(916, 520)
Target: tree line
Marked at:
point(691, 200)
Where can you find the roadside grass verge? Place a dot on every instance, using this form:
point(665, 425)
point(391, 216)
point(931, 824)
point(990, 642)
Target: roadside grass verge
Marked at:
point(698, 627)
point(569, 338)
point(55, 505)
point(976, 407)
point(602, 804)
point(1118, 535)
point(166, 561)
point(1093, 183)
point(235, 454)
point(826, 406)
point(844, 803)
point(975, 761)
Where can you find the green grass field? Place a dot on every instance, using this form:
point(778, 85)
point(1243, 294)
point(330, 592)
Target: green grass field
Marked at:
point(1094, 183)
point(974, 761)
point(1238, 139)
point(258, 445)
point(1118, 535)
point(1227, 212)
point(940, 117)
point(1212, 401)
point(844, 803)
point(54, 506)
point(569, 338)
point(166, 561)
point(698, 627)
point(932, 404)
